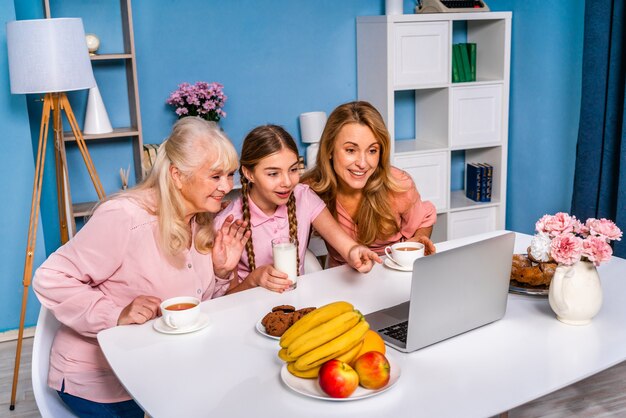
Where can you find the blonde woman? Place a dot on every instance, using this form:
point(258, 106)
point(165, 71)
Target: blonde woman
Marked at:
point(375, 203)
point(151, 243)
point(274, 204)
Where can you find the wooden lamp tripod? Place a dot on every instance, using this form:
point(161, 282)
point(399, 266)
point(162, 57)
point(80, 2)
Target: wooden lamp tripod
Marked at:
point(49, 56)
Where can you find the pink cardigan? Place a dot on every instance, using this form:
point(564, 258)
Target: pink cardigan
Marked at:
point(87, 282)
point(411, 213)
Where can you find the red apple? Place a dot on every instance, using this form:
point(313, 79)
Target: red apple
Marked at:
point(338, 379)
point(373, 369)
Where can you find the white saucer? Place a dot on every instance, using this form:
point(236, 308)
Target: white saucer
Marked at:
point(394, 266)
point(312, 389)
point(261, 330)
point(202, 322)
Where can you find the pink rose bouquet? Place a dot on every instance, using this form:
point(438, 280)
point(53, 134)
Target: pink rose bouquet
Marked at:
point(201, 99)
point(566, 240)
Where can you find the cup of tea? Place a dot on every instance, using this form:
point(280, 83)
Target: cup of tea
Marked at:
point(405, 253)
point(285, 252)
point(180, 312)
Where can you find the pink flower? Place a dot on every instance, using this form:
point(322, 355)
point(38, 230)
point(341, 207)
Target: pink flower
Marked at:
point(604, 228)
point(596, 249)
point(555, 225)
point(566, 249)
point(201, 99)
point(579, 227)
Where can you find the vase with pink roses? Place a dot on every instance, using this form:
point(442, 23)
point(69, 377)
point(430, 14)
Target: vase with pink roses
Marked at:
point(575, 293)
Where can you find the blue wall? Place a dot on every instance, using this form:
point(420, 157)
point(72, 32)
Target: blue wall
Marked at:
point(280, 58)
point(546, 65)
point(16, 185)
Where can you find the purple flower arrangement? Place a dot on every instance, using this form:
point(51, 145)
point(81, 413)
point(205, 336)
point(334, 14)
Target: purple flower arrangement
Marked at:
point(202, 99)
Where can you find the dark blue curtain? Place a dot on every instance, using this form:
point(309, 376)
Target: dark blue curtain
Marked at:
point(600, 176)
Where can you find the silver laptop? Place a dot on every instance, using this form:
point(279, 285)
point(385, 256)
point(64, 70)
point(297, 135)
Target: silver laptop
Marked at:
point(452, 292)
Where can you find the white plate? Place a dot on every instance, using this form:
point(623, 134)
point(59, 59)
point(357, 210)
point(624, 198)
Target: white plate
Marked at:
point(312, 389)
point(202, 322)
point(394, 266)
point(261, 330)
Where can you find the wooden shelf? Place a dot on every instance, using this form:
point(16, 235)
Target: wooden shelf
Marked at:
point(110, 57)
point(127, 64)
point(117, 133)
point(83, 209)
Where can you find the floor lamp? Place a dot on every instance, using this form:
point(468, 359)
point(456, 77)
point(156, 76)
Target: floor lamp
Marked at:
point(49, 56)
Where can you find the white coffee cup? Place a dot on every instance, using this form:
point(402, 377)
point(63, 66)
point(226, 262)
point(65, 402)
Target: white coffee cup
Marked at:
point(180, 312)
point(405, 253)
point(285, 254)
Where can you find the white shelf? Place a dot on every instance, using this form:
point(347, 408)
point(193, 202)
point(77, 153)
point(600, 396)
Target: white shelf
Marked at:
point(413, 53)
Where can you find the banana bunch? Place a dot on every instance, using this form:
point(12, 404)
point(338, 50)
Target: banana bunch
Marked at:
point(333, 331)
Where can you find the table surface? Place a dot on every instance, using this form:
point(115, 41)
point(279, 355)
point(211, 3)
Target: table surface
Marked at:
point(230, 370)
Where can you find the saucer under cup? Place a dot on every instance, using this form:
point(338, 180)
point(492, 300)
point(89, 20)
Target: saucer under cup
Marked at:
point(405, 253)
point(180, 312)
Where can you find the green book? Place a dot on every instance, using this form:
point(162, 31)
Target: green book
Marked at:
point(471, 50)
point(465, 62)
point(456, 49)
point(455, 67)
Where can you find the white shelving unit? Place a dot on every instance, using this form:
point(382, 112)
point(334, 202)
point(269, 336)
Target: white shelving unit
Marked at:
point(414, 53)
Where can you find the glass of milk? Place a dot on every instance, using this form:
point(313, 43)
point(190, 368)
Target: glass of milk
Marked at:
point(284, 251)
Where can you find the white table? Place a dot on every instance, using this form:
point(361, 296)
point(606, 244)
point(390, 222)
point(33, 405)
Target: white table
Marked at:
point(229, 370)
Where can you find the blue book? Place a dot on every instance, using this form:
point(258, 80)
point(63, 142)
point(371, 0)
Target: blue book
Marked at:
point(488, 182)
point(483, 181)
point(473, 181)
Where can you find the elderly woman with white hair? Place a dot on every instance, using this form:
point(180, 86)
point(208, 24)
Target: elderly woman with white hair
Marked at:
point(142, 246)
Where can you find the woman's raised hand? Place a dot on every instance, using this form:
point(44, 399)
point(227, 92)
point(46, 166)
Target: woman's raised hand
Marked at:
point(229, 243)
point(362, 258)
point(270, 278)
point(141, 309)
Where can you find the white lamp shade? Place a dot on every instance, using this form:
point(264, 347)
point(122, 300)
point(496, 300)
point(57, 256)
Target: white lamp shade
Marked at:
point(96, 118)
point(48, 55)
point(311, 154)
point(311, 126)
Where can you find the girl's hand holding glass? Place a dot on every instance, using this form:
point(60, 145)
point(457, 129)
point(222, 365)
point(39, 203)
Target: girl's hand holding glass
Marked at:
point(270, 278)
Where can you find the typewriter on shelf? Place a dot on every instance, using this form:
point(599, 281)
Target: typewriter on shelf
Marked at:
point(450, 6)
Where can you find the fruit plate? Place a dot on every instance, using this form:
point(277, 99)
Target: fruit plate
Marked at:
point(312, 389)
point(261, 330)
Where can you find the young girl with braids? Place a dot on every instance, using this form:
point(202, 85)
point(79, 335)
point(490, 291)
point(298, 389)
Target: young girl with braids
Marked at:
point(274, 204)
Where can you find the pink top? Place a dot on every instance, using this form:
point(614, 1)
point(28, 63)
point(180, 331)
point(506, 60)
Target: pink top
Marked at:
point(265, 228)
point(87, 282)
point(411, 213)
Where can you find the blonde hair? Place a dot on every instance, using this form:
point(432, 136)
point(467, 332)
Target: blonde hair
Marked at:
point(375, 217)
point(260, 143)
point(192, 142)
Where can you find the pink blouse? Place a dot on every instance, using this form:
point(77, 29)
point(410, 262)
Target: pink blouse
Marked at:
point(87, 282)
point(411, 213)
point(265, 228)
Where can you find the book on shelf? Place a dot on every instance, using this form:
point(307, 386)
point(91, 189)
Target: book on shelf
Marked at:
point(457, 62)
point(478, 181)
point(488, 176)
point(471, 50)
point(455, 66)
point(465, 62)
point(472, 181)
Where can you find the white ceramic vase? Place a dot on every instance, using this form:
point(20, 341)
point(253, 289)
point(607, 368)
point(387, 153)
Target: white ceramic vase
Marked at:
point(575, 293)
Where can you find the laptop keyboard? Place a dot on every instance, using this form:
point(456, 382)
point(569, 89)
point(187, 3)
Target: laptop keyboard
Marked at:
point(397, 331)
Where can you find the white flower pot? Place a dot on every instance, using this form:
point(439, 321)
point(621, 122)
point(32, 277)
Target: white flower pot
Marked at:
point(575, 293)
